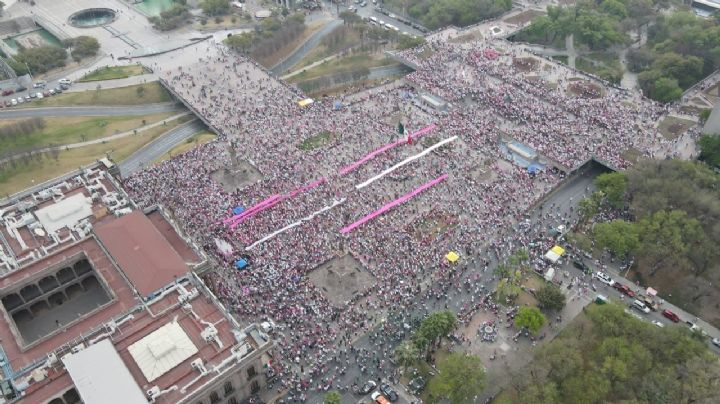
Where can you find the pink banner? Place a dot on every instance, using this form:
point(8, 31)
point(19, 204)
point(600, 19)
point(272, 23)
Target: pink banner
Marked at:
point(393, 204)
point(270, 202)
point(352, 167)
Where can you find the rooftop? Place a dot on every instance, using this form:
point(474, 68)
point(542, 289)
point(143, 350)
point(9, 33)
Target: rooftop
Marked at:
point(100, 297)
point(144, 255)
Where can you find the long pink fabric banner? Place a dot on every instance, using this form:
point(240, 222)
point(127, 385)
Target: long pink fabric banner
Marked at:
point(270, 202)
point(393, 204)
point(352, 167)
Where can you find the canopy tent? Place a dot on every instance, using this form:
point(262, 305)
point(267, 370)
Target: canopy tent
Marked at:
point(238, 210)
point(554, 254)
point(452, 257)
point(240, 264)
point(305, 102)
point(651, 292)
point(337, 104)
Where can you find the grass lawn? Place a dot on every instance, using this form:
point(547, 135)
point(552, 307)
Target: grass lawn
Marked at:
point(191, 143)
point(349, 63)
point(315, 142)
point(113, 72)
point(131, 95)
point(280, 55)
point(22, 176)
point(672, 127)
point(560, 59)
point(470, 37)
point(76, 129)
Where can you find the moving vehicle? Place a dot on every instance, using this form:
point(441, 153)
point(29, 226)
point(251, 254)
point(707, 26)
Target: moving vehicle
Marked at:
point(640, 306)
point(581, 265)
point(389, 392)
point(716, 342)
point(658, 323)
point(379, 398)
point(604, 278)
point(40, 84)
point(65, 81)
point(670, 315)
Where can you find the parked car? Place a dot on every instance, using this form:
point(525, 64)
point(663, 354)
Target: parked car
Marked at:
point(716, 342)
point(658, 323)
point(367, 387)
point(670, 315)
point(46, 93)
point(581, 265)
point(624, 289)
point(64, 86)
point(604, 278)
point(58, 90)
point(8, 91)
point(40, 96)
point(20, 100)
point(65, 82)
point(39, 84)
point(20, 89)
point(637, 304)
point(13, 102)
point(389, 392)
point(379, 398)
point(33, 95)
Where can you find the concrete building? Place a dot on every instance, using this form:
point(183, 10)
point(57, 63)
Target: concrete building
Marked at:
point(100, 304)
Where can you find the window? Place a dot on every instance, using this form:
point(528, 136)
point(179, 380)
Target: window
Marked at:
point(228, 388)
point(214, 398)
point(251, 372)
point(232, 400)
point(254, 386)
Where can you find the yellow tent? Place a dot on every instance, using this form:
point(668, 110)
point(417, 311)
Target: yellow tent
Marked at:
point(558, 250)
point(452, 256)
point(305, 102)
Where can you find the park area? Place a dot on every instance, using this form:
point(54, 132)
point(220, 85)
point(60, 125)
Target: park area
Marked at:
point(139, 94)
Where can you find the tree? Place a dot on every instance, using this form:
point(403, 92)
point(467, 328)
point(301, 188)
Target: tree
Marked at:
point(82, 47)
point(240, 42)
point(666, 239)
point(666, 90)
point(550, 297)
point(460, 377)
point(437, 325)
point(406, 354)
point(333, 397)
point(613, 186)
point(617, 236)
point(2, 8)
point(349, 18)
point(43, 58)
point(170, 18)
point(710, 149)
point(215, 7)
point(530, 318)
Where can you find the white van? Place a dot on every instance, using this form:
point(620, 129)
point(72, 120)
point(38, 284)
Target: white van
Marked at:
point(65, 81)
point(373, 20)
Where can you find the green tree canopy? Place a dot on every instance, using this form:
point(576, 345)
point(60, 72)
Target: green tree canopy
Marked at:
point(82, 47)
point(617, 236)
point(710, 149)
point(215, 7)
point(550, 297)
point(530, 318)
point(613, 186)
point(460, 377)
point(42, 58)
point(333, 397)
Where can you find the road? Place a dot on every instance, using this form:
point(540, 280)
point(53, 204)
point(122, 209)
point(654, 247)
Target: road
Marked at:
point(160, 146)
point(453, 298)
point(307, 46)
point(90, 111)
point(370, 11)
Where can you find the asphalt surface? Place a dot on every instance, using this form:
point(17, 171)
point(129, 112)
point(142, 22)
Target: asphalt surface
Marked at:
point(311, 43)
point(560, 201)
point(160, 146)
point(12, 113)
point(369, 11)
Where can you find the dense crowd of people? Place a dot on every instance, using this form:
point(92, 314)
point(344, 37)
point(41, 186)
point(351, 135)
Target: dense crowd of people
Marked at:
point(261, 124)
